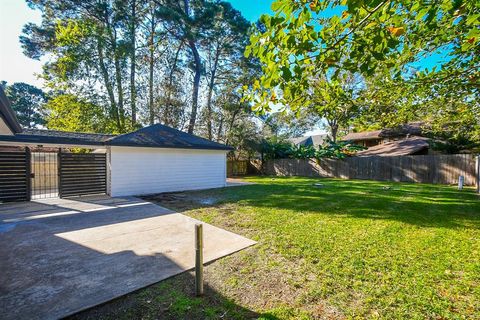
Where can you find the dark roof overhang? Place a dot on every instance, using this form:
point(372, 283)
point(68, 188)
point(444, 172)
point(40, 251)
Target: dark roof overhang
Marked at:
point(156, 136)
point(7, 113)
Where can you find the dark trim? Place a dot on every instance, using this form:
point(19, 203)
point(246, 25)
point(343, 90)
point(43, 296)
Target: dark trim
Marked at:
point(59, 172)
point(28, 154)
point(7, 113)
point(49, 140)
point(40, 140)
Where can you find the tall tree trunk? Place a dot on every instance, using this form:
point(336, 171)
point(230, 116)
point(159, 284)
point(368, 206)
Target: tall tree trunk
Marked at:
point(196, 85)
point(198, 69)
point(334, 129)
point(112, 33)
point(232, 122)
point(118, 78)
point(166, 113)
point(108, 85)
point(150, 75)
point(133, 93)
point(220, 128)
point(211, 84)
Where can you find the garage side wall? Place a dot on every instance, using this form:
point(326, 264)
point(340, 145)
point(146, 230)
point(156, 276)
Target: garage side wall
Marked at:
point(137, 171)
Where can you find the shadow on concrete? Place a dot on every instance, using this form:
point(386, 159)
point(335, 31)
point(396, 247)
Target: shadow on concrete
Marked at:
point(62, 257)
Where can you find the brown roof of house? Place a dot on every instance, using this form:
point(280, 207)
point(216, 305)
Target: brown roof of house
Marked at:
point(396, 148)
point(404, 130)
point(365, 135)
point(408, 129)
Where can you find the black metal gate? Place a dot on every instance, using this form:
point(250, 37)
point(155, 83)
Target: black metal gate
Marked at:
point(82, 174)
point(44, 175)
point(14, 176)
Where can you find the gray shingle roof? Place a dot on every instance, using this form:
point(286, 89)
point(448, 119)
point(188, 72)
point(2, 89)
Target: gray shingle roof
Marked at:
point(315, 140)
point(40, 136)
point(156, 136)
point(160, 136)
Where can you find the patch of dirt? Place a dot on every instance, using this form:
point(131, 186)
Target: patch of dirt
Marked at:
point(181, 201)
point(264, 281)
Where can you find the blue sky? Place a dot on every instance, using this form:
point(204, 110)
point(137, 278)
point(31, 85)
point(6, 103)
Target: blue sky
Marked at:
point(14, 14)
point(252, 9)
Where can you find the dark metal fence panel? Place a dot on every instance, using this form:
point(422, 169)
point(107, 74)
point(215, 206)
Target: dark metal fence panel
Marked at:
point(14, 176)
point(441, 169)
point(82, 174)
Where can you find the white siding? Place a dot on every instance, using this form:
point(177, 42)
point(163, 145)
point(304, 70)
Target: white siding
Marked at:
point(136, 171)
point(4, 129)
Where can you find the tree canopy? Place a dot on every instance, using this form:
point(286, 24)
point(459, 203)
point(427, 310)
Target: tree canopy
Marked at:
point(145, 62)
point(383, 43)
point(28, 102)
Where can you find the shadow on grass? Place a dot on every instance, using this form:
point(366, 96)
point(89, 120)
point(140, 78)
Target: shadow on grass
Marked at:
point(421, 205)
point(173, 298)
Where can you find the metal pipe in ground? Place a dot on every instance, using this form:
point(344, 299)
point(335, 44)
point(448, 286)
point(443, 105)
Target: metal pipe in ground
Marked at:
point(461, 181)
point(477, 173)
point(199, 259)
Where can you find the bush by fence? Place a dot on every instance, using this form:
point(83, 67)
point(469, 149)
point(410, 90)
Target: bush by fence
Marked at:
point(441, 169)
point(237, 168)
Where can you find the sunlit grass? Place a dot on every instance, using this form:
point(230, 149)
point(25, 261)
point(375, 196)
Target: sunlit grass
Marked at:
point(370, 249)
point(346, 249)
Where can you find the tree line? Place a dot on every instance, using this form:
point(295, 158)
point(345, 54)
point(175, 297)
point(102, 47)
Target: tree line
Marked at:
point(199, 66)
point(113, 66)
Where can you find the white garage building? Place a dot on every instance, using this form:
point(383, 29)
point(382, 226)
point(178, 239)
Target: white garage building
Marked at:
point(44, 163)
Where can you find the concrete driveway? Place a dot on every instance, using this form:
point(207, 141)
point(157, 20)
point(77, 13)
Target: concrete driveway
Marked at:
point(58, 257)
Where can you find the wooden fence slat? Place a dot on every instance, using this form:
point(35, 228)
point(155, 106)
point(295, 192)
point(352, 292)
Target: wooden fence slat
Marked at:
point(440, 169)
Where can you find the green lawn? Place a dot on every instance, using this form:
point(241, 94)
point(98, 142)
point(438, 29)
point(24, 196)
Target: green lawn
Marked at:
point(347, 249)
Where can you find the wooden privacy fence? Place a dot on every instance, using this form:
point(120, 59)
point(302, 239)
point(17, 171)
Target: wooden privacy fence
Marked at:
point(441, 169)
point(237, 168)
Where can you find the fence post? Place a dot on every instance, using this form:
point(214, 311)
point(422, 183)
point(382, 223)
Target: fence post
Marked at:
point(28, 169)
point(477, 173)
point(198, 259)
point(461, 181)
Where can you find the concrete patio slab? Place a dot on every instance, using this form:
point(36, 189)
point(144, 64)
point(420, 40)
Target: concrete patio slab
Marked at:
point(59, 256)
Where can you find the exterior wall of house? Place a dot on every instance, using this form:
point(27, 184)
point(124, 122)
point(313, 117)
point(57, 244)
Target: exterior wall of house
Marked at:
point(136, 171)
point(4, 129)
point(369, 142)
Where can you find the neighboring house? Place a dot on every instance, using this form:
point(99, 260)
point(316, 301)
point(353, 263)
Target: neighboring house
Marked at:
point(407, 146)
point(402, 140)
point(38, 164)
point(373, 138)
point(315, 140)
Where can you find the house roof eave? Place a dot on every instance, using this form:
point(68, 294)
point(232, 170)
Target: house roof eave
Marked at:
point(7, 114)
